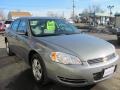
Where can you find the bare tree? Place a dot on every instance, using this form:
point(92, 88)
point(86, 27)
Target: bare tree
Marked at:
point(93, 9)
point(51, 14)
point(2, 15)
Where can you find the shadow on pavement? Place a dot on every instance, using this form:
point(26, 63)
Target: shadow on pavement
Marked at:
point(3, 52)
point(6, 60)
point(24, 81)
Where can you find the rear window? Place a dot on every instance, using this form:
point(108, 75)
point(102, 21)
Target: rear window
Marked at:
point(8, 22)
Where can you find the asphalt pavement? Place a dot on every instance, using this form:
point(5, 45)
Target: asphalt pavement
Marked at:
point(15, 74)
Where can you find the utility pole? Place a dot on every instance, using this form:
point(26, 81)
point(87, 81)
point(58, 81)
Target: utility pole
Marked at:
point(73, 8)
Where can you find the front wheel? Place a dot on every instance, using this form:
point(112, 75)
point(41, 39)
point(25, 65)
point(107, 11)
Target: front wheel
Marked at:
point(38, 70)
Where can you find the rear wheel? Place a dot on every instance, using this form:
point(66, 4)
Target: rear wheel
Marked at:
point(38, 70)
point(9, 52)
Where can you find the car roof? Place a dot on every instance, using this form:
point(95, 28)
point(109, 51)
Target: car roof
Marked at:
point(39, 18)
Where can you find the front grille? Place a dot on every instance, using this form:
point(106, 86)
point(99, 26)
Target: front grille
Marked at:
point(98, 76)
point(72, 80)
point(100, 60)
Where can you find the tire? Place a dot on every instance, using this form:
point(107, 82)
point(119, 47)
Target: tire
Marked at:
point(9, 52)
point(38, 70)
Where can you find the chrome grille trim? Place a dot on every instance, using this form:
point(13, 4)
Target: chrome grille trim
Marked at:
point(101, 60)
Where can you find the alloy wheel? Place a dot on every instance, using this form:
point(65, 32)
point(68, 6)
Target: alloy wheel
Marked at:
point(37, 70)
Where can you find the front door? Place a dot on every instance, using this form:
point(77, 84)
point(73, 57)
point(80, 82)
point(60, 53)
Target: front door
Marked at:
point(22, 39)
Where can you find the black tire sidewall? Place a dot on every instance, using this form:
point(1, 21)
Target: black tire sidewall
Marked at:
point(10, 53)
point(7, 46)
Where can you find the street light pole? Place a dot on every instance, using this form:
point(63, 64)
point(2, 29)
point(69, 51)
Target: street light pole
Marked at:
point(73, 8)
point(110, 7)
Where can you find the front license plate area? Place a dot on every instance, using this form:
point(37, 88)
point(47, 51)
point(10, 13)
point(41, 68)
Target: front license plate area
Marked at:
point(109, 71)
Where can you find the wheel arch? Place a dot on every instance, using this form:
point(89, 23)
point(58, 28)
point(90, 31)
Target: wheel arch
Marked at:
point(31, 54)
point(46, 79)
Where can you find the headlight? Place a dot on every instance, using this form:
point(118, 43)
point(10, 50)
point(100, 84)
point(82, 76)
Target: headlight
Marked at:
point(64, 58)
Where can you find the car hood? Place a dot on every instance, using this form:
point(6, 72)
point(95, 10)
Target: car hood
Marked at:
point(84, 46)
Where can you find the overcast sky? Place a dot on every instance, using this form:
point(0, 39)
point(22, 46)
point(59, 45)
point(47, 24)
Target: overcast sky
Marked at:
point(57, 5)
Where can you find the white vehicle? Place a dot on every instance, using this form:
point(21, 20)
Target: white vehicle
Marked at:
point(70, 21)
point(7, 23)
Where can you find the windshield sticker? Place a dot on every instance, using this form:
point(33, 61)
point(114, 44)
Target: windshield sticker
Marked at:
point(51, 26)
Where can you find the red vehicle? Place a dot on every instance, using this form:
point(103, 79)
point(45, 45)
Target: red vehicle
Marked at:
point(2, 27)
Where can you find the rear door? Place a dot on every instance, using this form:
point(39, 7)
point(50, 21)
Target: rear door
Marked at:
point(11, 35)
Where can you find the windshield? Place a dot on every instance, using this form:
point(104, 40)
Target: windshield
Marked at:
point(47, 27)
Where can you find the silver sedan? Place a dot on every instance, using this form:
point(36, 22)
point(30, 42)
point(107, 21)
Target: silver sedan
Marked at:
point(56, 50)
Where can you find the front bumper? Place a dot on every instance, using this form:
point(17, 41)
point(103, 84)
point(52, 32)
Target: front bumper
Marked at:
point(79, 75)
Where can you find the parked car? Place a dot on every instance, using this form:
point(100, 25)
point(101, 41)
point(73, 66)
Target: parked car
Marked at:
point(7, 23)
point(118, 34)
point(58, 51)
point(117, 26)
point(71, 21)
point(2, 27)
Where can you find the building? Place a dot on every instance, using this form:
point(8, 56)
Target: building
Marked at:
point(98, 18)
point(16, 14)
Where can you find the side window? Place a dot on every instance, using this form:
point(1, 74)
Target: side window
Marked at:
point(37, 26)
point(15, 25)
point(22, 26)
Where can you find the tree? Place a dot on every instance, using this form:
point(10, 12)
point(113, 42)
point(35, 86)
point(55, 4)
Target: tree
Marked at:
point(93, 9)
point(90, 12)
point(2, 15)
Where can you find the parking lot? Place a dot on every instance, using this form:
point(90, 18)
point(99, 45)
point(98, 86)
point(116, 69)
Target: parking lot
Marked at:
point(16, 75)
